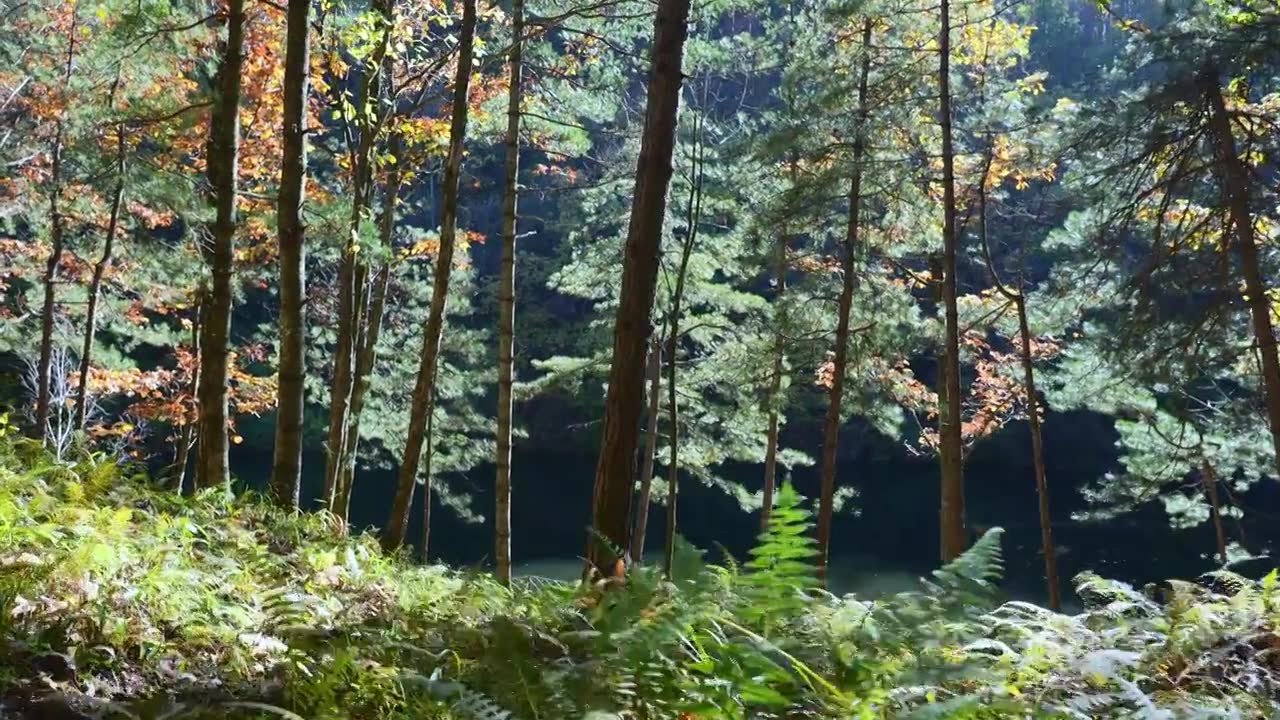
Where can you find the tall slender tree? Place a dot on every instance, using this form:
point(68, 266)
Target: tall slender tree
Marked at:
point(848, 251)
point(353, 271)
point(222, 158)
point(366, 352)
point(693, 218)
point(100, 267)
point(286, 471)
point(615, 469)
point(424, 395)
point(954, 535)
point(507, 300)
point(57, 240)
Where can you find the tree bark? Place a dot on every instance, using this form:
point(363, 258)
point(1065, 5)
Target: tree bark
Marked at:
point(367, 352)
point(286, 471)
point(222, 159)
point(507, 304)
point(835, 394)
point(775, 390)
point(1031, 396)
point(353, 274)
point(650, 450)
point(1037, 455)
point(1234, 176)
point(95, 285)
point(426, 485)
point(615, 470)
point(190, 430)
point(1209, 479)
point(693, 216)
point(57, 235)
point(953, 532)
point(424, 388)
point(341, 383)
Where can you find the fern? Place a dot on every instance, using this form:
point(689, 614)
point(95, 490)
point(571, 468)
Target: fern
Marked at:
point(781, 571)
point(972, 577)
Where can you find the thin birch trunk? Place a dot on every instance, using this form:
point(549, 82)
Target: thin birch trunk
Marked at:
point(367, 352)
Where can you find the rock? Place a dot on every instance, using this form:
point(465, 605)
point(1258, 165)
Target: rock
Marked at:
point(57, 666)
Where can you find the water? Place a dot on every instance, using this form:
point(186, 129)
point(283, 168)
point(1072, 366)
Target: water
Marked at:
point(890, 543)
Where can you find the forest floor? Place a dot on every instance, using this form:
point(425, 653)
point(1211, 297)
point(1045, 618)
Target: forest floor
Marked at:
point(120, 599)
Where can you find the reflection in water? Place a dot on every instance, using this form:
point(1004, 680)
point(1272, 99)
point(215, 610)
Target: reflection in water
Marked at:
point(890, 543)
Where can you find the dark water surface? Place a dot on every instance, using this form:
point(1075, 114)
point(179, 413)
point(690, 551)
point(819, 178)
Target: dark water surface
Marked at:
point(891, 539)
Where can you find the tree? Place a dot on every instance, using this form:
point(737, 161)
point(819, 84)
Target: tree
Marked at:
point(1172, 217)
point(831, 425)
point(649, 453)
point(100, 269)
point(286, 471)
point(507, 300)
point(615, 470)
point(424, 395)
point(223, 169)
point(57, 240)
point(954, 535)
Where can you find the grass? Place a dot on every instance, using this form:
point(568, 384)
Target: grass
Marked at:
point(123, 599)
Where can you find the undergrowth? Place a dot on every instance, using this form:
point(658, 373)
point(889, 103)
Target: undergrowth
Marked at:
point(127, 600)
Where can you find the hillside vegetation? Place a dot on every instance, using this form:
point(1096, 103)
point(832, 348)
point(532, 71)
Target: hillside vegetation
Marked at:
point(120, 599)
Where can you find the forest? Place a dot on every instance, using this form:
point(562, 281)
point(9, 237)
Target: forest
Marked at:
point(798, 282)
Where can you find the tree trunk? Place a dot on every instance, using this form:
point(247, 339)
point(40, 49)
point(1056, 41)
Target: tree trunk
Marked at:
point(57, 235)
point(835, 395)
point(775, 391)
point(650, 449)
point(1037, 454)
point(424, 388)
point(353, 275)
point(341, 383)
point(190, 430)
point(222, 159)
point(954, 534)
point(615, 470)
point(286, 471)
point(95, 285)
point(1234, 176)
point(367, 352)
point(692, 218)
point(1209, 479)
point(507, 305)
point(426, 484)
